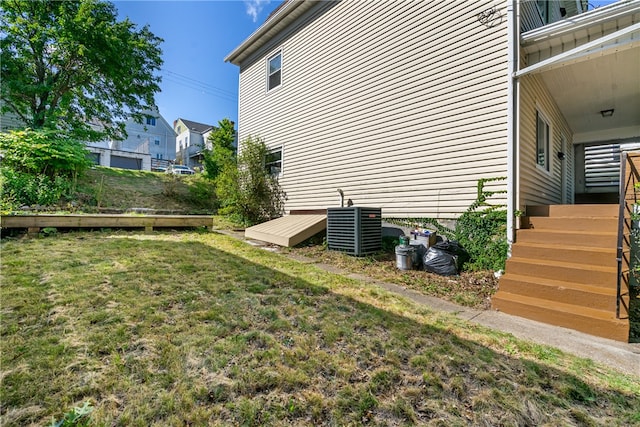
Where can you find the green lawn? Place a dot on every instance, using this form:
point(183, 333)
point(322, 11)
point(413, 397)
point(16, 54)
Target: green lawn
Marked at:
point(201, 329)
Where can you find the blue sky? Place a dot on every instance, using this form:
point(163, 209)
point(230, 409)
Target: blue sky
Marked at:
point(196, 82)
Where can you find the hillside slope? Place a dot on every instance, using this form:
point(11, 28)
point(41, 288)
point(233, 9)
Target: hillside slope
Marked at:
point(115, 190)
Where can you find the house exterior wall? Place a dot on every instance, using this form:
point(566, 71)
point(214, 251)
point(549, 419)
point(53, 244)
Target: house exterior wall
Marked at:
point(402, 105)
point(537, 186)
point(142, 138)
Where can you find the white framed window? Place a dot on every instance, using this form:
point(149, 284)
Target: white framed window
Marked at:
point(156, 141)
point(273, 161)
point(543, 142)
point(151, 121)
point(274, 71)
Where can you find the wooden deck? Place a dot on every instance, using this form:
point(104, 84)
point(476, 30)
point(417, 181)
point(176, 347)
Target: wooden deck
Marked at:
point(33, 223)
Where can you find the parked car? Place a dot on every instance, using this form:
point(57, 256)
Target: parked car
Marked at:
point(180, 170)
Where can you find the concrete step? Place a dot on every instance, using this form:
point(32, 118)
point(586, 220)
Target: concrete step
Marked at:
point(567, 292)
point(605, 257)
point(593, 239)
point(608, 210)
point(593, 275)
point(584, 224)
point(591, 321)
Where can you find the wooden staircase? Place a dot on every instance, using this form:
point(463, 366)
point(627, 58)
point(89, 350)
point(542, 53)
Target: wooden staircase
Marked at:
point(563, 270)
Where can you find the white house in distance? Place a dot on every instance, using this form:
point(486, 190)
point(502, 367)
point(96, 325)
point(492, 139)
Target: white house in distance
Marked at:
point(191, 137)
point(405, 106)
point(148, 145)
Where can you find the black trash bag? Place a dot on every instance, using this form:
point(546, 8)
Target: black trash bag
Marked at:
point(445, 258)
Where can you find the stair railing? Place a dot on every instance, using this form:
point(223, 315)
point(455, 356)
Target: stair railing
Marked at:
point(628, 213)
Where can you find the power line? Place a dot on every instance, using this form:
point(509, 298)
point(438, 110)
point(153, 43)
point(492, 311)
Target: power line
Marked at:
point(200, 89)
point(198, 85)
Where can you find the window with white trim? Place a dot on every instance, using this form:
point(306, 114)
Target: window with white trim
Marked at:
point(273, 161)
point(274, 71)
point(543, 137)
point(151, 121)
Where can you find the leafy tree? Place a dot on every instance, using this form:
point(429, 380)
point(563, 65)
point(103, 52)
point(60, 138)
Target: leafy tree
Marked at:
point(248, 192)
point(222, 148)
point(66, 62)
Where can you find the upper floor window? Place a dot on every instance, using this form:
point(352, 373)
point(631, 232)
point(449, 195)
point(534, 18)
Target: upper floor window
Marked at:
point(273, 161)
point(151, 121)
point(543, 136)
point(274, 71)
point(157, 141)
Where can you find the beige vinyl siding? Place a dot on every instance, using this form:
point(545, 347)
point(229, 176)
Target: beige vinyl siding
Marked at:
point(402, 105)
point(538, 187)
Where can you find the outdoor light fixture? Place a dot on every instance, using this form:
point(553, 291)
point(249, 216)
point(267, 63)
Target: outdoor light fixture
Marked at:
point(607, 113)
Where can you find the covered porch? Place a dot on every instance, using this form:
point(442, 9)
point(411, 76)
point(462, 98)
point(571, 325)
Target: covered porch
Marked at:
point(577, 95)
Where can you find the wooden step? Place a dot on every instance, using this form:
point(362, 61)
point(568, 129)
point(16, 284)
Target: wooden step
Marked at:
point(594, 239)
point(607, 210)
point(567, 292)
point(593, 275)
point(605, 257)
point(585, 224)
point(591, 321)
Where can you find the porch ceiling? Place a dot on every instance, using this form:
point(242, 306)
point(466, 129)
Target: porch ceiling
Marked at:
point(591, 63)
point(583, 89)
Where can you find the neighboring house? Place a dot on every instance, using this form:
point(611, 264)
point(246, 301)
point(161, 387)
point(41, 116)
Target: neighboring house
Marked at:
point(406, 105)
point(9, 120)
point(149, 145)
point(191, 138)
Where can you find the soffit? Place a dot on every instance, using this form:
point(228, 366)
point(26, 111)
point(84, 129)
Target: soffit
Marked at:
point(275, 24)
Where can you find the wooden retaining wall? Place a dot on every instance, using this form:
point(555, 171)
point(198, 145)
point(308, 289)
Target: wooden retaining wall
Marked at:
point(33, 223)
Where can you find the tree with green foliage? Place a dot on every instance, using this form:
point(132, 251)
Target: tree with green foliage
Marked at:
point(247, 191)
point(39, 167)
point(64, 63)
point(222, 151)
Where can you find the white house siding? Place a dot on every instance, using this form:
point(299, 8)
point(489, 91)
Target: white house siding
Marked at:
point(538, 187)
point(402, 105)
point(141, 138)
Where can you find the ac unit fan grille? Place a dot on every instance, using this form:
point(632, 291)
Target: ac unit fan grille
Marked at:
point(354, 230)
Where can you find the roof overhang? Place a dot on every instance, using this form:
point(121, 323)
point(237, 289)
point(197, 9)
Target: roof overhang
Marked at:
point(277, 22)
point(589, 63)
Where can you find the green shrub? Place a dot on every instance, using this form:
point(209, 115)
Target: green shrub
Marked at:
point(20, 188)
point(482, 231)
point(39, 167)
point(248, 193)
point(43, 152)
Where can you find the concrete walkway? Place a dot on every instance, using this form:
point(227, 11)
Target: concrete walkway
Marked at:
point(618, 355)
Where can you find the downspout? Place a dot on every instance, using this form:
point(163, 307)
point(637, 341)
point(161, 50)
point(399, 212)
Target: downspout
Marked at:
point(512, 118)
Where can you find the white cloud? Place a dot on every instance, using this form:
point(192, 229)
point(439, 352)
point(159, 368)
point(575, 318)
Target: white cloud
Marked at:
point(254, 7)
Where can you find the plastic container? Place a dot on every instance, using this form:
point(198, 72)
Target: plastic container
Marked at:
point(405, 256)
point(403, 240)
point(427, 238)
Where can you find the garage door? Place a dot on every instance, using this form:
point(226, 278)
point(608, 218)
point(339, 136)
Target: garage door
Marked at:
point(126, 163)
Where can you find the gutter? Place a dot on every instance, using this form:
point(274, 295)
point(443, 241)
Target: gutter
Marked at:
point(278, 16)
point(582, 51)
point(581, 22)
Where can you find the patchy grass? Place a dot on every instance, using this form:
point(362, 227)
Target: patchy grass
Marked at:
point(201, 329)
point(122, 189)
point(470, 289)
